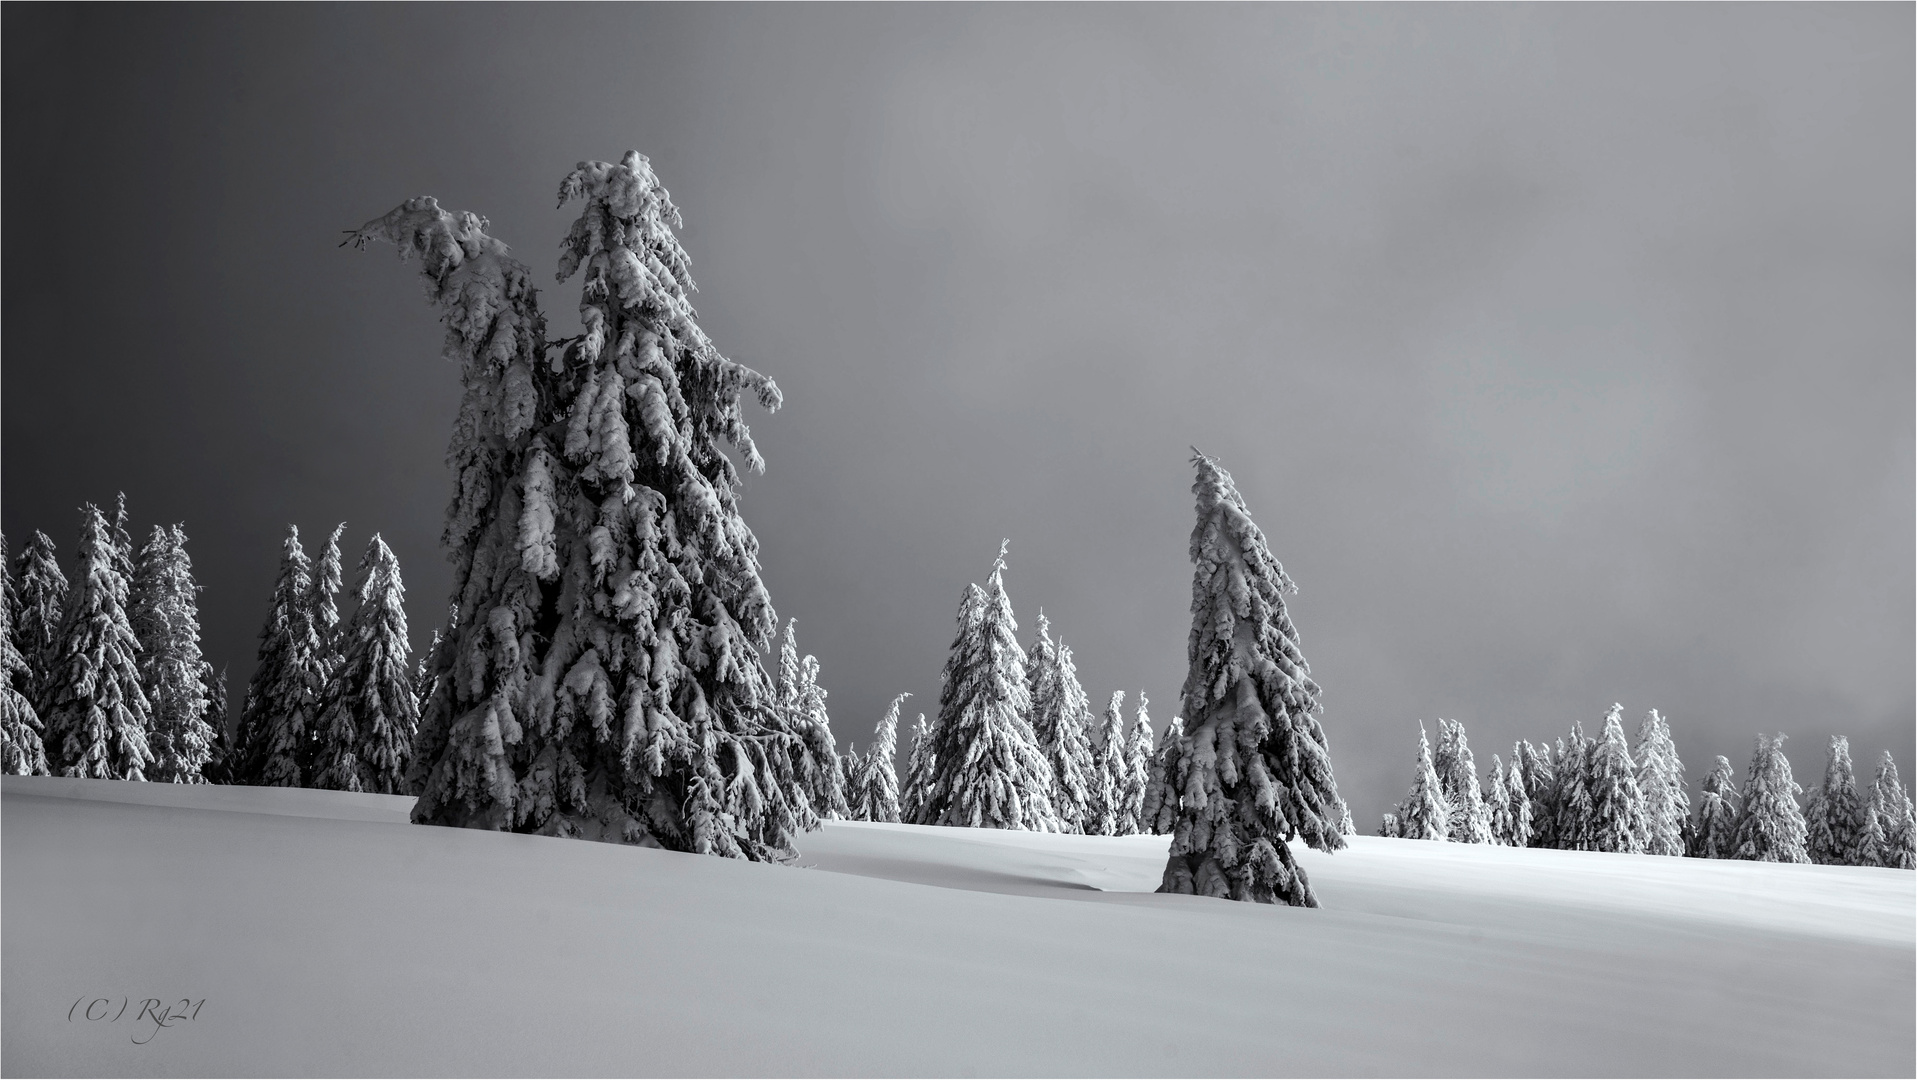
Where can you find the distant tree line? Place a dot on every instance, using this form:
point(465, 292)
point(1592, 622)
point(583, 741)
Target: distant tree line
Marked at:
point(102, 677)
point(1601, 794)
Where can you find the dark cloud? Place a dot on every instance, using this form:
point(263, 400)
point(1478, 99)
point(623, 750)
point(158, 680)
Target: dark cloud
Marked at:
point(1563, 353)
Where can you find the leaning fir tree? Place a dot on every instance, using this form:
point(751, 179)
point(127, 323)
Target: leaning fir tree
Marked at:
point(1252, 770)
point(803, 699)
point(42, 593)
point(166, 621)
point(1458, 772)
point(1771, 828)
point(1060, 712)
point(603, 676)
point(1714, 836)
point(874, 784)
point(283, 697)
point(97, 714)
point(22, 746)
point(1836, 816)
point(988, 770)
point(915, 794)
point(364, 735)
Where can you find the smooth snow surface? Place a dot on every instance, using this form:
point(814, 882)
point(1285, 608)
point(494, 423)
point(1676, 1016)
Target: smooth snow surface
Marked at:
point(327, 936)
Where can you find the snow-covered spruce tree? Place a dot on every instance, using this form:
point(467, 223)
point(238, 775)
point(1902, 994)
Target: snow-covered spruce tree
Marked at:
point(166, 621)
point(42, 592)
point(327, 576)
point(1138, 772)
point(1388, 826)
point(364, 735)
point(803, 699)
point(1517, 806)
point(1572, 801)
point(122, 539)
point(1836, 816)
point(97, 716)
point(920, 770)
point(874, 785)
point(221, 758)
point(1618, 821)
point(283, 696)
point(1106, 812)
point(1425, 814)
point(1660, 778)
point(1771, 828)
point(1458, 772)
point(1714, 836)
point(1539, 785)
point(22, 747)
point(988, 769)
point(1159, 815)
point(1060, 714)
point(1497, 804)
point(1895, 818)
point(603, 678)
point(1253, 770)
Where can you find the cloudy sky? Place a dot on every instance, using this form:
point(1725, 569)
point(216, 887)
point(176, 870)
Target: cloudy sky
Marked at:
point(1564, 353)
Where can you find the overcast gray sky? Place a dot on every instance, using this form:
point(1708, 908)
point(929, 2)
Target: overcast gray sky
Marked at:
point(1564, 353)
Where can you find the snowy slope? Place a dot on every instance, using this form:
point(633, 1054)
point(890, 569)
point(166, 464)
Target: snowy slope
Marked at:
point(325, 935)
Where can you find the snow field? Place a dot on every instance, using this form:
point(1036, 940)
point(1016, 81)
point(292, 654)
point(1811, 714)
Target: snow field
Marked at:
point(328, 936)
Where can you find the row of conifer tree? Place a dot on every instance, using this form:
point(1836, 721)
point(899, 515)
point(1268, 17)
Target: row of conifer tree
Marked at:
point(1601, 794)
point(102, 677)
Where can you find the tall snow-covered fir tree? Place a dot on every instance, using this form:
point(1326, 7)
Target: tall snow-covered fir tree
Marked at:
point(1517, 806)
point(1714, 836)
point(1572, 805)
point(22, 746)
point(1253, 769)
point(1060, 719)
point(988, 769)
point(1618, 821)
point(42, 593)
point(874, 784)
point(1425, 814)
point(1836, 816)
point(1138, 772)
point(1159, 815)
point(1539, 784)
point(327, 576)
point(603, 678)
point(1660, 778)
point(97, 715)
point(1106, 816)
point(915, 792)
point(1771, 828)
point(274, 744)
point(364, 735)
point(166, 621)
point(1458, 772)
point(1895, 817)
point(1497, 804)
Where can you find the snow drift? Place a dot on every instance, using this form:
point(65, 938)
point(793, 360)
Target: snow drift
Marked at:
point(320, 933)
